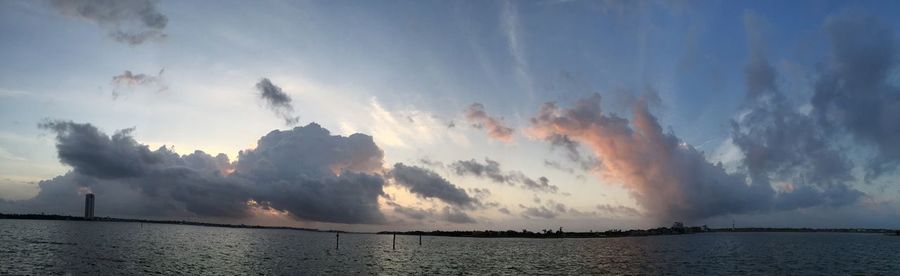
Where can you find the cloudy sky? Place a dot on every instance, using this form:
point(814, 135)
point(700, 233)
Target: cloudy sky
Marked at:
point(372, 115)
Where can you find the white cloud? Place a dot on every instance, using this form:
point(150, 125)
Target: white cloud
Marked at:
point(407, 127)
point(728, 153)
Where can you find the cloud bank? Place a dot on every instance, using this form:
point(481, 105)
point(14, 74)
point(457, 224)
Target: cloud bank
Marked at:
point(305, 172)
point(315, 175)
point(792, 157)
point(668, 178)
point(857, 92)
point(777, 140)
point(127, 21)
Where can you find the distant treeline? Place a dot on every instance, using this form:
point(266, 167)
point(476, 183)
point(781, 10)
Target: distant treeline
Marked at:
point(625, 233)
point(676, 229)
point(555, 234)
point(836, 230)
point(182, 222)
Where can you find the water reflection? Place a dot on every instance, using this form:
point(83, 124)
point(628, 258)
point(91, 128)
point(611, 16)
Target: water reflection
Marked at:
point(59, 247)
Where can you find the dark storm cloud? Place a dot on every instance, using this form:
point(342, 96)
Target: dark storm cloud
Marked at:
point(315, 175)
point(309, 151)
point(476, 115)
point(428, 184)
point(305, 171)
point(807, 196)
point(127, 21)
point(857, 91)
point(778, 142)
point(130, 80)
point(490, 169)
point(93, 153)
point(668, 178)
point(854, 99)
point(131, 174)
point(278, 101)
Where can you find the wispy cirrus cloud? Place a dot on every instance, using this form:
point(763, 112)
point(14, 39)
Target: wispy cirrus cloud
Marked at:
point(512, 30)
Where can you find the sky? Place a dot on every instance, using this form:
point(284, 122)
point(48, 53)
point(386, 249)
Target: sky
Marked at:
point(454, 115)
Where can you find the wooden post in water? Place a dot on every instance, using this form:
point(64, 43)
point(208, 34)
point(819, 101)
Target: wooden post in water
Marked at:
point(420, 239)
point(394, 243)
point(337, 241)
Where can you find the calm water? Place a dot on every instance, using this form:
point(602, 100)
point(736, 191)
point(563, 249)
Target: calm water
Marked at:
point(61, 247)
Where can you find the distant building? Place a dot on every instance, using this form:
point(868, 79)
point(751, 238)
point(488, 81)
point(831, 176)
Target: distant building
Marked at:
point(89, 206)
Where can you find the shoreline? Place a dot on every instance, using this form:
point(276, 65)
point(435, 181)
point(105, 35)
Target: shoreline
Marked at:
point(546, 234)
point(172, 222)
point(662, 231)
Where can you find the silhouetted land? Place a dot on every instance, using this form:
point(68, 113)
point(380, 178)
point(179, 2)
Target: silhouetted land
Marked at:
point(182, 222)
point(630, 233)
point(674, 230)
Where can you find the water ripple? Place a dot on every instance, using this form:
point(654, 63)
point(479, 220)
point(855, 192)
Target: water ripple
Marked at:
point(63, 247)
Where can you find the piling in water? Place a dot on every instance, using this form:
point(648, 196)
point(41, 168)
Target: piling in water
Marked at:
point(337, 240)
point(394, 243)
point(420, 239)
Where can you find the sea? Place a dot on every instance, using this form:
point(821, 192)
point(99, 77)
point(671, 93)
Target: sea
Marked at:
point(36, 247)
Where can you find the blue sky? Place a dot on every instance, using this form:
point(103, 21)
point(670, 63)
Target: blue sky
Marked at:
point(403, 71)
